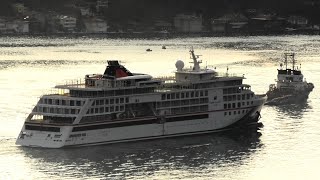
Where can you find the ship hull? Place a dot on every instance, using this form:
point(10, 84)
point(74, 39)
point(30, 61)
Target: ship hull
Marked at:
point(215, 122)
point(292, 97)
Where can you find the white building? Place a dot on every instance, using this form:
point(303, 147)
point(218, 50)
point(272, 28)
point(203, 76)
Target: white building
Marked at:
point(95, 25)
point(68, 23)
point(17, 26)
point(298, 20)
point(3, 27)
point(101, 4)
point(188, 23)
point(85, 12)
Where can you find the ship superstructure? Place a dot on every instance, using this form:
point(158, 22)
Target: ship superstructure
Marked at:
point(291, 86)
point(120, 106)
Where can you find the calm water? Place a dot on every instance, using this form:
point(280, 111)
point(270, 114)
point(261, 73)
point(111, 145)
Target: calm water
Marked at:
point(287, 147)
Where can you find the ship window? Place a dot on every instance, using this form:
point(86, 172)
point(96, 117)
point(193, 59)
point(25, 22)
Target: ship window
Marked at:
point(168, 96)
point(96, 110)
point(111, 101)
point(230, 113)
point(73, 111)
point(247, 102)
point(78, 103)
point(238, 112)
point(243, 103)
point(107, 109)
point(121, 100)
point(71, 103)
point(57, 101)
point(173, 96)
point(177, 95)
point(239, 97)
point(51, 110)
point(251, 102)
point(201, 93)
point(239, 104)
point(242, 111)
point(248, 96)
point(111, 109)
point(117, 108)
point(233, 105)
point(187, 94)
point(91, 111)
point(229, 105)
point(215, 98)
point(234, 97)
point(63, 102)
point(243, 96)
point(225, 106)
point(107, 101)
point(225, 98)
point(121, 108)
point(206, 93)
point(182, 95)
point(163, 97)
point(192, 94)
point(101, 102)
point(46, 101)
point(44, 109)
point(225, 91)
point(127, 99)
point(234, 112)
point(97, 102)
point(225, 113)
point(49, 101)
point(101, 109)
point(197, 94)
point(229, 98)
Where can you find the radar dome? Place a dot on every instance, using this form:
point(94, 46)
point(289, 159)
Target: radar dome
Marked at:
point(179, 65)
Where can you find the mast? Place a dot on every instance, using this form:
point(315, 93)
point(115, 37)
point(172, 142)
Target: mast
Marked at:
point(293, 61)
point(286, 59)
point(196, 66)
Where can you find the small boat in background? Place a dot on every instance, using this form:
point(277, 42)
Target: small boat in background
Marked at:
point(148, 50)
point(164, 47)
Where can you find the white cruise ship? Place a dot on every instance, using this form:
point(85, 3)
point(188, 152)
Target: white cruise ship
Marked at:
point(120, 106)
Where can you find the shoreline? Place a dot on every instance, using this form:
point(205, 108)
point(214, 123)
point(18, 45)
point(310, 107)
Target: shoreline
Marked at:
point(151, 35)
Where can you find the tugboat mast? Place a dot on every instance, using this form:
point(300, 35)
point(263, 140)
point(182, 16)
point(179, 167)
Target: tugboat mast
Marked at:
point(286, 59)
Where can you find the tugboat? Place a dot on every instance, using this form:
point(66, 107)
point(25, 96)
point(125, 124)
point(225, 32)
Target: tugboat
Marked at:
point(291, 87)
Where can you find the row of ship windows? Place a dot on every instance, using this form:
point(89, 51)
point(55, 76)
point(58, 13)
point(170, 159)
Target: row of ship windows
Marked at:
point(182, 102)
point(189, 109)
point(57, 110)
point(184, 95)
point(61, 102)
point(105, 109)
point(233, 105)
point(235, 112)
point(234, 90)
point(237, 97)
point(110, 101)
